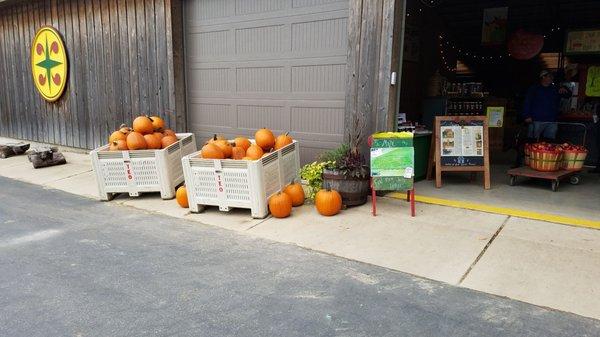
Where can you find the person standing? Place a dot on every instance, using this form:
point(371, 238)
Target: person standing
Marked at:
point(540, 110)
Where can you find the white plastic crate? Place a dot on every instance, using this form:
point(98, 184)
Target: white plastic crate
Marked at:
point(139, 171)
point(231, 183)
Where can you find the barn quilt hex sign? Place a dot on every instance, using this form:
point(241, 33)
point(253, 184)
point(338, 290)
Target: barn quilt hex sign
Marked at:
point(49, 63)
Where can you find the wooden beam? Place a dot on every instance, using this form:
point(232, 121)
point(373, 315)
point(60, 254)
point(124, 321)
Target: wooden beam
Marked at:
point(352, 65)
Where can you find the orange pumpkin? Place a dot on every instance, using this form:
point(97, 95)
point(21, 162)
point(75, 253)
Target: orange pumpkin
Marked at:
point(296, 193)
point(215, 137)
point(143, 125)
point(280, 205)
point(169, 132)
point(264, 138)
point(157, 123)
point(255, 152)
point(247, 158)
point(242, 142)
point(152, 141)
point(328, 202)
point(168, 140)
point(237, 152)
point(125, 129)
point(282, 140)
point(158, 135)
point(118, 145)
point(136, 141)
point(117, 135)
point(224, 146)
point(211, 151)
point(181, 196)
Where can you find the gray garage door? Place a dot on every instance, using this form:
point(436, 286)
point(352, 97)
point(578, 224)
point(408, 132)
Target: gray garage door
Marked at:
point(267, 63)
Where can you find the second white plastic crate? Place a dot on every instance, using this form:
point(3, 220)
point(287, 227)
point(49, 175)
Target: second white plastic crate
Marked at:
point(239, 183)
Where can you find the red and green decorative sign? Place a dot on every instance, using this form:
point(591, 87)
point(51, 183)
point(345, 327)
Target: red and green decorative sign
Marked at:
point(49, 63)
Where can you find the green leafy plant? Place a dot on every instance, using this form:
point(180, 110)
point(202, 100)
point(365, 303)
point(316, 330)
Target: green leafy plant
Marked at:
point(350, 163)
point(313, 175)
point(332, 157)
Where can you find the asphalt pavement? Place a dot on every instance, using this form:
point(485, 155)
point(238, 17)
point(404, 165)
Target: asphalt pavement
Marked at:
point(71, 266)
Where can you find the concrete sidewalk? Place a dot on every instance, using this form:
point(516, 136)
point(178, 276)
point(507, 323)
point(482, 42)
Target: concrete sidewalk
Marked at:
point(542, 263)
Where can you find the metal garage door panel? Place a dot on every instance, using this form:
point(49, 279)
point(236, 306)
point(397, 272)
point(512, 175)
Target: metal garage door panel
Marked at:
point(267, 63)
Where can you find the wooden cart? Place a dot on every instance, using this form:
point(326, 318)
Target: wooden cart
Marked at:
point(555, 177)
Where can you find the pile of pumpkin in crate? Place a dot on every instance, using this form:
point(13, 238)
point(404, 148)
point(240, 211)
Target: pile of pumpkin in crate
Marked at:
point(548, 157)
point(327, 202)
point(218, 147)
point(147, 133)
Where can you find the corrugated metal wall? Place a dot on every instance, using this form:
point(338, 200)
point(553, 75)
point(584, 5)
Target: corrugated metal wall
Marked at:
point(121, 64)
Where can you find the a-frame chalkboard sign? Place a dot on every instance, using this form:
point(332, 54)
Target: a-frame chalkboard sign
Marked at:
point(461, 145)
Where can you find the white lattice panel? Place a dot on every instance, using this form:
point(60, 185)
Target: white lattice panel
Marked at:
point(203, 184)
point(236, 185)
point(145, 172)
point(112, 171)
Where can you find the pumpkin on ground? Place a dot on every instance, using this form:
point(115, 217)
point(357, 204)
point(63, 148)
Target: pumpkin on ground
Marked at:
point(328, 202)
point(152, 142)
point(282, 140)
point(296, 193)
point(136, 141)
point(143, 125)
point(169, 132)
point(264, 138)
point(280, 205)
point(117, 135)
point(157, 123)
point(168, 140)
point(255, 152)
point(224, 146)
point(237, 152)
point(181, 196)
point(242, 142)
point(118, 145)
point(211, 151)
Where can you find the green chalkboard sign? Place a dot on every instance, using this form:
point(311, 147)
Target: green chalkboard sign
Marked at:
point(392, 161)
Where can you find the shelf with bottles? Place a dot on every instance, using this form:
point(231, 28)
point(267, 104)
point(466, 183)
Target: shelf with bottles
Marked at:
point(465, 108)
point(465, 90)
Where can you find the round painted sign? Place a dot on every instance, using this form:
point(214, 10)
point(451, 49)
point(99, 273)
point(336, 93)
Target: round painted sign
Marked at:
point(49, 63)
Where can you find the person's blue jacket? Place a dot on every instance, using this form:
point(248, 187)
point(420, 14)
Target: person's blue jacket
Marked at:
point(541, 103)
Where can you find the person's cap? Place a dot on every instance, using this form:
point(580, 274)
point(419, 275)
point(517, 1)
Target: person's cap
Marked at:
point(545, 73)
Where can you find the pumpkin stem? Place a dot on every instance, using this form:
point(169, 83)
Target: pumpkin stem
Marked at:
point(123, 126)
point(215, 137)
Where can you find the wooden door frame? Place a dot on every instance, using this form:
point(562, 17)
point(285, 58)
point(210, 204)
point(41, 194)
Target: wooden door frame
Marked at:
point(375, 29)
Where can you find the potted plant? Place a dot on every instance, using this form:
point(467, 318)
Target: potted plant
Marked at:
point(346, 170)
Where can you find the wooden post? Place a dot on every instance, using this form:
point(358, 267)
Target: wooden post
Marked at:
point(373, 54)
point(438, 165)
point(486, 155)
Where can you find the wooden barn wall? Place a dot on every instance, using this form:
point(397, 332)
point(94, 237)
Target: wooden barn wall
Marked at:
point(120, 56)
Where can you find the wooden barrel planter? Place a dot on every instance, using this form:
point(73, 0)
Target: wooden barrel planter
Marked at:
point(354, 191)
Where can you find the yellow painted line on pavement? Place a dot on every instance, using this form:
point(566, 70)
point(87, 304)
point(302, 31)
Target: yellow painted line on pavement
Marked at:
point(565, 220)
